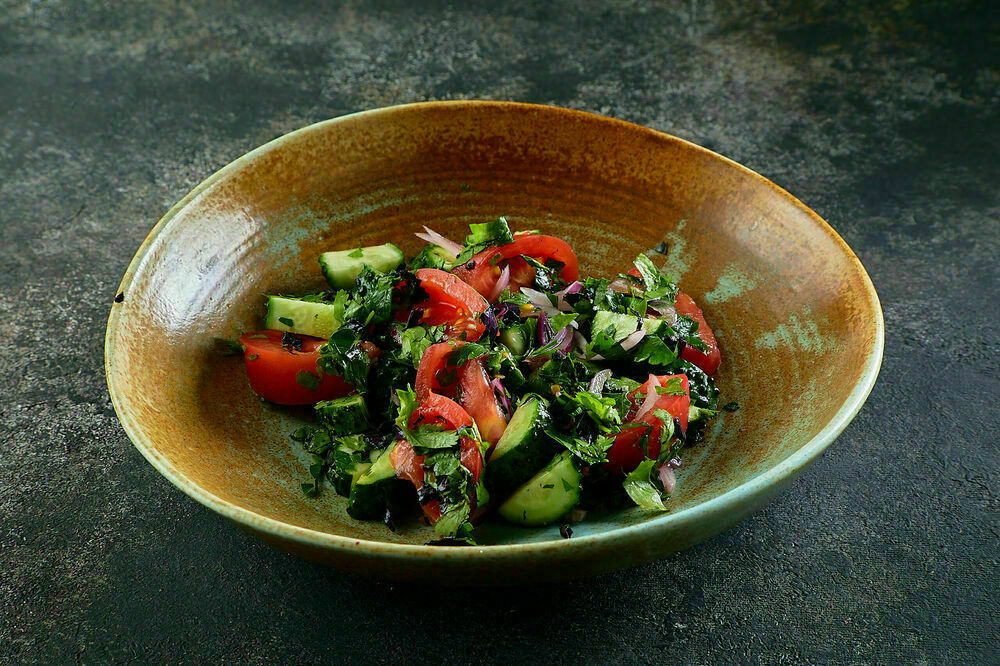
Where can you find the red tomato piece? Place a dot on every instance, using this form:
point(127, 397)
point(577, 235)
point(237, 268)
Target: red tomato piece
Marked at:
point(434, 367)
point(708, 361)
point(452, 302)
point(626, 453)
point(409, 466)
point(480, 401)
point(273, 369)
point(483, 270)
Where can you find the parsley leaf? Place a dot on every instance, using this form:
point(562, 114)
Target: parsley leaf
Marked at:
point(343, 355)
point(485, 235)
point(468, 352)
point(308, 379)
point(641, 488)
point(591, 451)
point(674, 387)
point(422, 438)
point(356, 254)
point(416, 340)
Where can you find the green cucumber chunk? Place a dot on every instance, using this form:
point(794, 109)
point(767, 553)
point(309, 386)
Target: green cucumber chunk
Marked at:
point(298, 316)
point(622, 325)
point(523, 449)
point(341, 267)
point(349, 463)
point(376, 490)
point(547, 496)
point(516, 338)
point(344, 416)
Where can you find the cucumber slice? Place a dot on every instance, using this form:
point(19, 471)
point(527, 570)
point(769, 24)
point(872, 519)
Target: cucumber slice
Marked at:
point(344, 416)
point(622, 325)
point(547, 496)
point(376, 490)
point(516, 338)
point(349, 463)
point(294, 315)
point(341, 267)
point(523, 449)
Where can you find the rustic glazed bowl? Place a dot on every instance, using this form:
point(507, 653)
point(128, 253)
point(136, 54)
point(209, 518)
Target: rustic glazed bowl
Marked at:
point(796, 315)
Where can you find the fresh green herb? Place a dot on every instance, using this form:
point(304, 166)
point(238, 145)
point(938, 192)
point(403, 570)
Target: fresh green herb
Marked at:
point(416, 340)
point(287, 322)
point(307, 379)
point(357, 254)
point(641, 488)
point(252, 357)
point(468, 352)
point(257, 336)
point(343, 355)
point(485, 235)
point(674, 387)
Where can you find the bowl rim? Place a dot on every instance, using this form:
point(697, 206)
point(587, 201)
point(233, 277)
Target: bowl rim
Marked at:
point(755, 488)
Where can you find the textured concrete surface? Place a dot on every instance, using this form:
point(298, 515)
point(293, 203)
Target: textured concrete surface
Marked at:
point(883, 117)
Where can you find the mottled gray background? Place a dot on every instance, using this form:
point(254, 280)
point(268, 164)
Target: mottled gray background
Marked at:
point(881, 116)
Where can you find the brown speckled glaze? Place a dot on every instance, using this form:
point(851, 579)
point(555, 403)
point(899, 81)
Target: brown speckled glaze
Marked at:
point(797, 318)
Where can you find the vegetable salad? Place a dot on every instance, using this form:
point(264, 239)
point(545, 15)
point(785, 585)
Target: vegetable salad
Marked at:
point(488, 378)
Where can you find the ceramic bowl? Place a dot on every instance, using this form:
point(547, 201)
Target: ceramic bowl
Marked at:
point(798, 320)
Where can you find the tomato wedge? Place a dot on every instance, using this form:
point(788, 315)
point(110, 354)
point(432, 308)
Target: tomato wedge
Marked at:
point(626, 453)
point(448, 413)
point(453, 303)
point(436, 409)
point(434, 374)
point(274, 369)
point(409, 466)
point(483, 271)
point(479, 400)
point(708, 360)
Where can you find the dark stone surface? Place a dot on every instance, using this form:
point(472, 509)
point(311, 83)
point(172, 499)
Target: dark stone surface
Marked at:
point(881, 116)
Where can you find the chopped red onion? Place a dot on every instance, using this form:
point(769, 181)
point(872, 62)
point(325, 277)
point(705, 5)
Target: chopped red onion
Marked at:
point(580, 342)
point(540, 300)
point(620, 285)
point(502, 396)
point(651, 396)
point(633, 339)
point(597, 383)
point(544, 328)
point(674, 462)
point(665, 309)
point(561, 302)
point(564, 339)
point(668, 478)
point(501, 284)
point(435, 238)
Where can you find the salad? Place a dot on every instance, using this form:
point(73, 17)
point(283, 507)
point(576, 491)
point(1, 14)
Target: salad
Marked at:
point(488, 378)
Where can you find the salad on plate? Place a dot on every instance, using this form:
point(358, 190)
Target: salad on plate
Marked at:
point(488, 378)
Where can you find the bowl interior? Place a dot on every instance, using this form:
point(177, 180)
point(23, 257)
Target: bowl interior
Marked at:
point(795, 314)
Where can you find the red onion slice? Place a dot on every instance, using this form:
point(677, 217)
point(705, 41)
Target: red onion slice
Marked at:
point(540, 300)
point(564, 339)
point(598, 382)
point(435, 238)
point(580, 342)
point(502, 396)
point(634, 339)
point(501, 284)
point(651, 396)
point(620, 285)
point(668, 478)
